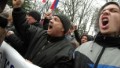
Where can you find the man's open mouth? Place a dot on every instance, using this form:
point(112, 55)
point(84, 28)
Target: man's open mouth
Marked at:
point(105, 21)
point(50, 26)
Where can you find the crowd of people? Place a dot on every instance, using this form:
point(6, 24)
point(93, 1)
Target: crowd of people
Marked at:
point(53, 42)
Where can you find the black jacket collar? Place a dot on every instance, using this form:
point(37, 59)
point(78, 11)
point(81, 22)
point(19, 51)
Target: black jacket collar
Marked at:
point(55, 39)
point(107, 41)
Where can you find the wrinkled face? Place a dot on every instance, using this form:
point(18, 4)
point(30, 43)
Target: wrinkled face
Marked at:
point(30, 19)
point(84, 39)
point(109, 21)
point(55, 27)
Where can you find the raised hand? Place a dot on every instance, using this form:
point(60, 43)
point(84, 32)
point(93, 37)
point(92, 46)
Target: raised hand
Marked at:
point(48, 15)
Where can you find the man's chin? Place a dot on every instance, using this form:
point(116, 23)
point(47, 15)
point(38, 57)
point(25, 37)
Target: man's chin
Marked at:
point(108, 33)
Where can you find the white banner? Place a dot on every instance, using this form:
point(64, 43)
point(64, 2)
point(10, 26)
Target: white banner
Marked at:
point(10, 58)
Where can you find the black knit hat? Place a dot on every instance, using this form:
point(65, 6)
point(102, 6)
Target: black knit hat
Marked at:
point(65, 21)
point(3, 22)
point(36, 15)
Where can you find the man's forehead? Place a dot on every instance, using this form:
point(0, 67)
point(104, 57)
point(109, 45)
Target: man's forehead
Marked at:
point(56, 17)
point(112, 6)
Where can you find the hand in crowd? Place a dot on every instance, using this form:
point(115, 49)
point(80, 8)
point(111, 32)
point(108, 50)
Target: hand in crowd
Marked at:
point(48, 15)
point(9, 33)
point(17, 3)
point(73, 28)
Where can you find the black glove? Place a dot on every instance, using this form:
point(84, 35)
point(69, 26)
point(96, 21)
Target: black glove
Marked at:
point(3, 22)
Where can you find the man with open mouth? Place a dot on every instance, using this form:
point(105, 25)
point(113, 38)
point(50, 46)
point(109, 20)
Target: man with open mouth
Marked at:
point(47, 48)
point(104, 51)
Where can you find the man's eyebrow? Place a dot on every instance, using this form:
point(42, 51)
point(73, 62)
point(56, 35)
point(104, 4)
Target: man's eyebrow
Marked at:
point(57, 18)
point(110, 8)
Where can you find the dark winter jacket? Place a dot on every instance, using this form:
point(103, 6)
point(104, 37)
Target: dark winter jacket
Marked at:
point(43, 50)
point(15, 39)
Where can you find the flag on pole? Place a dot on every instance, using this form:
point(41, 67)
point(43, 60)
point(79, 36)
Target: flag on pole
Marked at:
point(43, 1)
point(54, 4)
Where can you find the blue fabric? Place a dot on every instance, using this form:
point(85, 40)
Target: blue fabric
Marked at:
point(102, 66)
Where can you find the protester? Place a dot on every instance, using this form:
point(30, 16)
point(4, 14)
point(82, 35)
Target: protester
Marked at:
point(3, 21)
point(72, 36)
point(33, 18)
point(3, 24)
point(83, 38)
point(86, 38)
point(104, 51)
point(47, 48)
point(14, 38)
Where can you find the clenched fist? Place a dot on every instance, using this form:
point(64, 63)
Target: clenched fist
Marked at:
point(17, 3)
point(48, 15)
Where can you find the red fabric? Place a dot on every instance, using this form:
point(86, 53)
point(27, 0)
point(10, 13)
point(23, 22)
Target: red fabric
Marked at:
point(43, 1)
point(54, 4)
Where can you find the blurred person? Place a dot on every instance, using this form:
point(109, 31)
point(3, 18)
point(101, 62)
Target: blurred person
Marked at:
point(104, 51)
point(86, 38)
point(3, 20)
point(47, 48)
point(13, 37)
point(72, 36)
point(33, 18)
point(3, 24)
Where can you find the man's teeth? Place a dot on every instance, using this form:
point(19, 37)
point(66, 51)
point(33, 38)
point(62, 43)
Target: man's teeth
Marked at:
point(105, 19)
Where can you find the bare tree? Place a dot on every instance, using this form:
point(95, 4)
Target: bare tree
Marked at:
point(80, 12)
point(70, 7)
point(94, 22)
point(113, 1)
point(85, 15)
point(40, 6)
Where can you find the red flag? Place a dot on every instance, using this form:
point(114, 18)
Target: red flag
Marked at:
point(54, 4)
point(43, 1)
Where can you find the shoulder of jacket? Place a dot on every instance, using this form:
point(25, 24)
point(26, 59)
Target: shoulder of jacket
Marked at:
point(85, 46)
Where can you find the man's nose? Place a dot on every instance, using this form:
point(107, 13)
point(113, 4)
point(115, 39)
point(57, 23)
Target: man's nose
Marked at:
point(106, 12)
